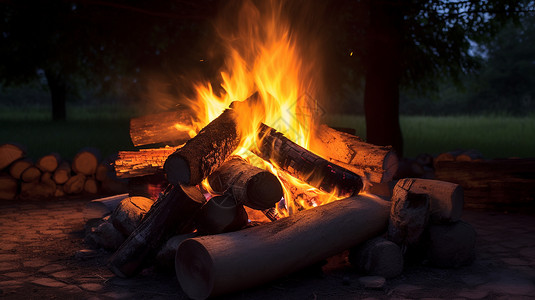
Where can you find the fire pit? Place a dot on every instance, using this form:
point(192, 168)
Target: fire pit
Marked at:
point(257, 148)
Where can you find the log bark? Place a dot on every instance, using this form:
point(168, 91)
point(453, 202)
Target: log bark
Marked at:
point(446, 199)
point(204, 153)
point(141, 163)
point(85, 162)
point(377, 257)
point(19, 166)
point(10, 153)
point(375, 163)
point(498, 183)
point(129, 213)
point(62, 173)
point(171, 214)
point(48, 163)
point(8, 187)
point(250, 186)
point(221, 214)
point(31, 174)
point(305, 165)
point(165, 259)
point(168, 128)
point(217, 264)
point(75, 184)
point(409, 215)
point(99, 208)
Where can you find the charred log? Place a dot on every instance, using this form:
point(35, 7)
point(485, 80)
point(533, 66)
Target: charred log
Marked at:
point(297, 161)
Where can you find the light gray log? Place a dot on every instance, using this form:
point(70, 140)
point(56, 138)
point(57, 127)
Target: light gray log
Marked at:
point(217, 264)
point(379, 257)
point(129, 213)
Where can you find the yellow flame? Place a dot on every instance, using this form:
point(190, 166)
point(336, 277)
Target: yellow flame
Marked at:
point(264, 58)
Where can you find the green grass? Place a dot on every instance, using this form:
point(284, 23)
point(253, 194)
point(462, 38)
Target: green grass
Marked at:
point(108, 130)
point(493, 136)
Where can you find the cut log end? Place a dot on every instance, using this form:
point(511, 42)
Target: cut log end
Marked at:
point(182, 175)
point(197, 276)
point(265, 189)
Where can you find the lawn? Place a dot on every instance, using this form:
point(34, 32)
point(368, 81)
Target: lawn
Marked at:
point(494, 136)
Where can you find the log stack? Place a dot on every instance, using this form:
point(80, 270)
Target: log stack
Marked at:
point(50, 176)
point(218, 251)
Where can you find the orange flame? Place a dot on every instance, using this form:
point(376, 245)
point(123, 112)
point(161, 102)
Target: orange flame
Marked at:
point(264, 57)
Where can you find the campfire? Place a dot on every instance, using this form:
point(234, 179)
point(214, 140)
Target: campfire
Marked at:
point(256, 188)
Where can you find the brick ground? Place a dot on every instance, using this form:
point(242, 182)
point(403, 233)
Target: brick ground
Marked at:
point(42, 256)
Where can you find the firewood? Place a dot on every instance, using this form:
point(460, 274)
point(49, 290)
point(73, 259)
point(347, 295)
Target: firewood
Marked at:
point(375, 163)
point(409, 215)
point(85, 162)
point(217, 264)
point(305, 165)
point(101, 207)
point(250, 186)
point(450, 245)
point(445, 198)
point(102, 171)
point(75, 184)
point(204, 153)
point(147, 186)
point(165, 259)
point(60, 192)
point(19, 166)
point(62, 173)
point(105, 235)
point(494, 183)
point(143, 162)
point(91, 185)
point(36, 190)
point(129, 213)
point(48, 163)
point(8, 187)
point(379, 257)
point(469, 155)
point(10, 153)
point(172, 213)
point(169, 128)
point(221, 214)
point(31, 174)
point(46, 178)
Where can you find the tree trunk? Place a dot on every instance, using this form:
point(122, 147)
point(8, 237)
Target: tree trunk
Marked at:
point(381, 95)
point(58, 93)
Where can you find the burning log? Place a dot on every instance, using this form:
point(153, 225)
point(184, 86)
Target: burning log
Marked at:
point(169, 128)
point(305, 165)
point(172, 213)
point(142, 162)
point(375, 163)
point(250, 186)
point(207, 266)
point(204, 153)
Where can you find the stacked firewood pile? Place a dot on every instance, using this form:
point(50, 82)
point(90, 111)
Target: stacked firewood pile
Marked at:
point(51, 176)
point(214, 248)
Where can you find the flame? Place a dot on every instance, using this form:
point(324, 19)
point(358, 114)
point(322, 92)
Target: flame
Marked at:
point(264, 57)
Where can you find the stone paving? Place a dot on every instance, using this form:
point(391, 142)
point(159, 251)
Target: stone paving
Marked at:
point(42, 256)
